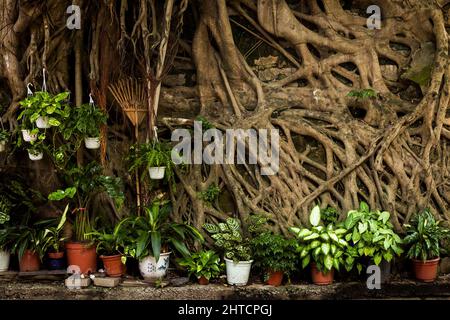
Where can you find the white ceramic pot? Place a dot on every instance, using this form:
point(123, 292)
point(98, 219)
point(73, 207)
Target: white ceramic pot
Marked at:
point(4, 260)
point(28, 137)
point(152, 270)
point(157, 173)
point(42, 123)
point(92, 143)
point(238, 273)
point(2, 146)
point(35, 157)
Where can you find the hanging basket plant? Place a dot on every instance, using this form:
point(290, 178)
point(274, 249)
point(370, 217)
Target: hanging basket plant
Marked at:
point(44, 110)
point(36, 151)
point(155, 159)
point(85, 123)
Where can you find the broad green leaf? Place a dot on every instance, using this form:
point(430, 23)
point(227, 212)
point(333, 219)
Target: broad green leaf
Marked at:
point(325, 248)
point(328, 262)
point(314, 217)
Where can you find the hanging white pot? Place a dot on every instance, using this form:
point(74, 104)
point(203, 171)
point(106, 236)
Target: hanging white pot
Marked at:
point(238, 273)
point(42, 123)
point(2, 146)
point(152, 270)
point(157, 173)
point(35, 156)
point(28, 137)
point(4, 260)
point(92, 143)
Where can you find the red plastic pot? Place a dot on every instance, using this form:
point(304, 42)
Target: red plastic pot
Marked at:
point(82, 256)
point(321, 278)
point(203, 281)
point(426, 271)
point(113, 265)
point(30, 261)
point(275, 278)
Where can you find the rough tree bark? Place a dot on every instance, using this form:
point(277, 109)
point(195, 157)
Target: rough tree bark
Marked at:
point(336, 150)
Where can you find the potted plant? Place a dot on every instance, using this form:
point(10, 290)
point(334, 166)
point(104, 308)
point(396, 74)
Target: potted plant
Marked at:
point(203, 265)
point(371, 235)
point(423, 238)
point(36, 151)
point(111, 247)
point(154, 236)
point(53, 241)
point(154, 158)
point(229, 237)
point(4, 137)
point(6, 238)
point(86, 182)
point(28, 245)
point(323, 248)
point(86, 122)
point(274, 255)
point(5, 233)
point(44, 109)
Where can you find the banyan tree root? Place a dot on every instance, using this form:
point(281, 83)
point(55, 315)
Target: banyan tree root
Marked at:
point(391, 153)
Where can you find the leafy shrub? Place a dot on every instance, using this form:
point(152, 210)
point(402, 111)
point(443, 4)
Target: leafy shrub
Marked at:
point(371, 235)
point(325, 246)
point(424, 235)
point(203, 264)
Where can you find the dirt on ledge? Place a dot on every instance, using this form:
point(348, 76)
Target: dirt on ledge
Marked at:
point(405, 289)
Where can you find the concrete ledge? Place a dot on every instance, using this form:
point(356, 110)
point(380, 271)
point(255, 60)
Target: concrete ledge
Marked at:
point(406, 289)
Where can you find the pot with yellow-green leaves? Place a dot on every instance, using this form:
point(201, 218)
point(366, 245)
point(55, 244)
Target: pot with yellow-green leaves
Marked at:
point(372, 238)
point(203, 265)
point(322, 247)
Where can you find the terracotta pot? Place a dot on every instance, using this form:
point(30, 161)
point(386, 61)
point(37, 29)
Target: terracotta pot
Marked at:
point(426, 271)
point(81, 257)
point(321, 278)
point(203, 281)
point(30, 261)
point(56, 255)
point(275, 278)
point(113, 265)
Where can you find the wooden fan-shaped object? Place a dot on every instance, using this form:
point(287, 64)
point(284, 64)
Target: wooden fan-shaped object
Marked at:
point(131, 96)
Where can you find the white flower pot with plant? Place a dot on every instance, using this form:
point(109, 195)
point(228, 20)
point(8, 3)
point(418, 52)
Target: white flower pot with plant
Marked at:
point(29, 135)
point(156, 157)
point(44, 110)
point(4, 260)
point(238, 260)
point(153, 270)
point(92, 143)
point(88, 120)
point(152, 236)
point(36, 151)
point(156, 173)
point(43, 122)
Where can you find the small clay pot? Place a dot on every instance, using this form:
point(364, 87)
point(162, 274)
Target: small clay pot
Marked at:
point(320, 278)
point(203, 281)
point(426, 271)
point(275, 278)
point(30, 261)
point(113, 265)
